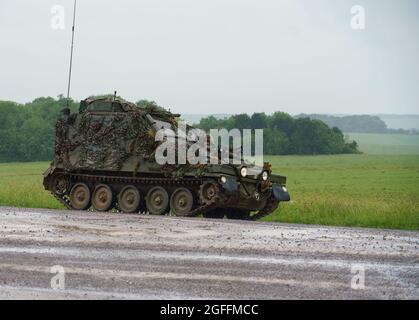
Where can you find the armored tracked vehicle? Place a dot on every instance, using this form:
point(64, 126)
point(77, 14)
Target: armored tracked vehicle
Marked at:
point(105, 160)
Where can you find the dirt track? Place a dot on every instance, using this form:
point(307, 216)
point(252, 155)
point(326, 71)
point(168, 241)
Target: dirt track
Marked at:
point(107, 256)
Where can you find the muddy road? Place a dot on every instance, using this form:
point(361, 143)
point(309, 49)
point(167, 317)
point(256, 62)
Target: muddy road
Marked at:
point(88, 255)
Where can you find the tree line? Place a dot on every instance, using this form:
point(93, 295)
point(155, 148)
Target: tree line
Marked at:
point(27, 131)
point(284, 134)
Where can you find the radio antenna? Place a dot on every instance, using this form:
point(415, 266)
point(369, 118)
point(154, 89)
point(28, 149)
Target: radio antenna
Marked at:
point(71, 54)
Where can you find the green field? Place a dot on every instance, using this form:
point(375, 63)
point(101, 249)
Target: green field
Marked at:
point(345, 190)
point(375, 143)
point(21, 186)
point(351, 190)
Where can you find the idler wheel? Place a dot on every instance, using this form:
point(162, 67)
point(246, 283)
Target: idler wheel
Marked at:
point(102, 199)
point(129, 199)
point(157, 201)
point(80, 196)
point(181, 202)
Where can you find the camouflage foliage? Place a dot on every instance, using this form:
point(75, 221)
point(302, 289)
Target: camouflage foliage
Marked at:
point(103, 140)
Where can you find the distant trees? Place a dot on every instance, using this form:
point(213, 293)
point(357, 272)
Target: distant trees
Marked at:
point(284, 134)
point(27, 131)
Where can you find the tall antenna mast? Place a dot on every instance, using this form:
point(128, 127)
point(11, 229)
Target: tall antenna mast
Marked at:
point(71, 54)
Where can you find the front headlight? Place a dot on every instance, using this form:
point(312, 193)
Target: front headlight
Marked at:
point(243, 172)
point(265, 175)
point(223, 179)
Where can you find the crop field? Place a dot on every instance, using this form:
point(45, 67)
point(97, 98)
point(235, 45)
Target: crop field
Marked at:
point(375, 143)
point(344, 190)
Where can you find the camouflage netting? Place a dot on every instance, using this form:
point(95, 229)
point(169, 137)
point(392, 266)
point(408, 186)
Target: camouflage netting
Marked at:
point(104, 143)
point(109, 134)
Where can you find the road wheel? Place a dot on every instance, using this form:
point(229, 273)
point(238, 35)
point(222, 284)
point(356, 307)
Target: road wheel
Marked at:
point(129, 199)
point(102, 199)
point(214, 214)
point(80, 196)
point(181, 202)
point(157, 201)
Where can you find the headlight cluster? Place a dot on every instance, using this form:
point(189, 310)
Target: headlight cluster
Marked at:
point(244, 172)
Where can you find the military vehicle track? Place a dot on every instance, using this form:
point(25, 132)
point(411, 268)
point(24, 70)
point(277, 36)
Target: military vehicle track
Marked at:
point(202, 209)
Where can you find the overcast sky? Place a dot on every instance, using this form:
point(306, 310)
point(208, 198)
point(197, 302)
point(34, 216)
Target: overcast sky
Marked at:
point(218, 56)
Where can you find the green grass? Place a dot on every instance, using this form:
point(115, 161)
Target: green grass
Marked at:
point(351, 190)
point(21, 186)
point(372, 143)
point(345, 190)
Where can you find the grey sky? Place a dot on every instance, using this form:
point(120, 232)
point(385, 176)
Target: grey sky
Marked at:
point(218, 56)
